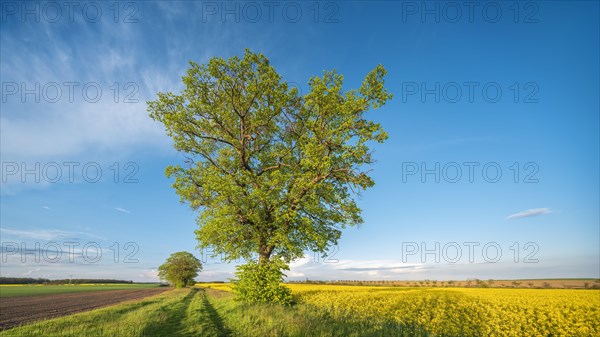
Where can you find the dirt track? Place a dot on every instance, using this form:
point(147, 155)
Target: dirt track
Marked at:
point(24, 309)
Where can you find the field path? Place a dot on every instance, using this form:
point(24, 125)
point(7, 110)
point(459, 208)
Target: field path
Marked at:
point(25, 309)
point(193, 315)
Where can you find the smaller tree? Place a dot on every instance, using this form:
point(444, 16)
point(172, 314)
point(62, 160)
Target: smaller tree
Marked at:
point(180, 269)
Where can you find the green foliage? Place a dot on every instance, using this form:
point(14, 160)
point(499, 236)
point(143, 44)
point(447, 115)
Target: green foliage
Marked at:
point(180, 269)
point(270, 171)
point(262, 283)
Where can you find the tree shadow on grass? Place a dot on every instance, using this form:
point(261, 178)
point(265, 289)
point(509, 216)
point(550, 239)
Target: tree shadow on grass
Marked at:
point(168, 322)
point(193, 316)
point(215, 318)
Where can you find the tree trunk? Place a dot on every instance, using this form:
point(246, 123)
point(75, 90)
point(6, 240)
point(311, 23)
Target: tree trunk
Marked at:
point(264, 254)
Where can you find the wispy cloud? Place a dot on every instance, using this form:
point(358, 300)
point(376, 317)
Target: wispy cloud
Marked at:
point(529, 213)
point(377, 268)
point(47, 235)
point(351, 269)
point(29, 272)
point(46, 207)
point(68, 128)
point(122, 210)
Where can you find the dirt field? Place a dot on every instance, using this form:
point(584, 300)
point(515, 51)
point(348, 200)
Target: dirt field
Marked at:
point(25, 309)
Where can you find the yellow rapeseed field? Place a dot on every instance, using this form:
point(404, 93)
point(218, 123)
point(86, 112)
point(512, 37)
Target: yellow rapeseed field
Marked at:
point(461, 311)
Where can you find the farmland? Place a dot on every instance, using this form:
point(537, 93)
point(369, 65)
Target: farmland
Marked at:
point(32, 290)
point(17, 310)
point(465, 312)
point(329, 310)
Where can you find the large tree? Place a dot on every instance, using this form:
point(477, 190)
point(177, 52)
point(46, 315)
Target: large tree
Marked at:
point(180, 269)
point(272, 173)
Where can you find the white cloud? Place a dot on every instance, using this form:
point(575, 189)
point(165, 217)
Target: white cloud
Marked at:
point(47, 235)
point(122, 210)
point(351, 269)
point(73, 125)
point(151, 274)
point(529, 213)
point(29, 272)
point(72, 128)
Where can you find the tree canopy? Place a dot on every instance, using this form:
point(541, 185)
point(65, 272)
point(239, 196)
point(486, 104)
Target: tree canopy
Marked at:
point(271, 172)
point(180, 269)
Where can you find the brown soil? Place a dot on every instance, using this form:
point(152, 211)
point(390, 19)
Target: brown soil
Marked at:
point(25, 309)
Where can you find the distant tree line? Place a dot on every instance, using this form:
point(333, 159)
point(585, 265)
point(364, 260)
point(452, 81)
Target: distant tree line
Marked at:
point(469, 283)
point(22, 280)
point(27, 280)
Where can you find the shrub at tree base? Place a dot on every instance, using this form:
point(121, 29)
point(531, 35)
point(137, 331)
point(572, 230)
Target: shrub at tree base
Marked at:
point(262, 283)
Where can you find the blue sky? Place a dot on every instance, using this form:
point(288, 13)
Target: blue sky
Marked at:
point(502, 84)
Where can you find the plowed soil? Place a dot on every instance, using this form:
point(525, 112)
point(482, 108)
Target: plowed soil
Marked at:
point(25, 309)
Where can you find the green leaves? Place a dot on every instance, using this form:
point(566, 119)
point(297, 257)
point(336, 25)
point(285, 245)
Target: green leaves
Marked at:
point(270, 172)
point(372, 87)
point(180, 269)
point(262, 283)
